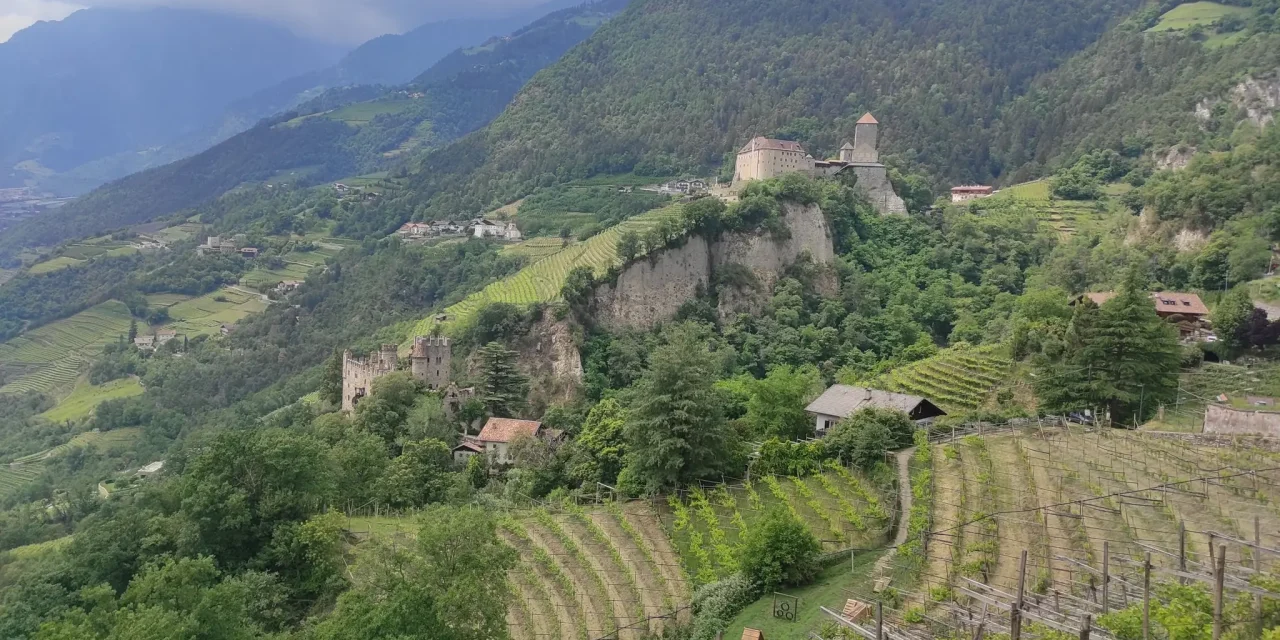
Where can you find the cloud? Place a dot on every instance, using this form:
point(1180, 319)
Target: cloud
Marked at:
point(16, 15)
point(346, 21)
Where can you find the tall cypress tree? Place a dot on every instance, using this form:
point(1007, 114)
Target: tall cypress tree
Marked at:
point(503, 387)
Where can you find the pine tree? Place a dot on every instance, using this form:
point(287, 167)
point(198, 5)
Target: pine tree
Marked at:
point(676, 430)
point(503, 387)
point(133, 330)
point(1121, 357)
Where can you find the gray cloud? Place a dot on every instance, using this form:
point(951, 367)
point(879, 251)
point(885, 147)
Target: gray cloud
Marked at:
point(346, 21)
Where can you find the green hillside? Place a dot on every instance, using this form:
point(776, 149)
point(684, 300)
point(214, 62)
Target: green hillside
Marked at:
point(459, 94)
point(805, 70)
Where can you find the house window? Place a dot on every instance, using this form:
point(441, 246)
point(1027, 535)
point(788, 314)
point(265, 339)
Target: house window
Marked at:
point(826, 425)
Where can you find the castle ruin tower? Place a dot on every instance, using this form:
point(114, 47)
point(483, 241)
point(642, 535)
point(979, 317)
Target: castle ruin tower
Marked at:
point(865, 134)
point(430, 361)
point(846, 153)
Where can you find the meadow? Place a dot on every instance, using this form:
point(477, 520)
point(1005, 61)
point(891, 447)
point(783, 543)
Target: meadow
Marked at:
point(85, 397)
point(206, 314)
point(1193, 14)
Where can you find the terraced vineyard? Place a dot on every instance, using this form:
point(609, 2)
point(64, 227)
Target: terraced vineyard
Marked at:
point(542, 280)
point(23, 470)
point(49, 359)
point(1066, 217)
point(206, 315)
point(86, 397)
point(843, 509)
point(956, 379)
point(297, 264)
point(1069, 496)
point(584, 572)
point(536, 248)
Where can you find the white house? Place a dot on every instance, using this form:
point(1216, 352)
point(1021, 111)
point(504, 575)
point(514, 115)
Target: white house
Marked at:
point(841, 401)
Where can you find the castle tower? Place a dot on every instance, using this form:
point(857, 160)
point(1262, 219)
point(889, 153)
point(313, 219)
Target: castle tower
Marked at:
point(389, 358)
point(431, 360)
point(846, 153)
point(865, 134)
point(358, 374)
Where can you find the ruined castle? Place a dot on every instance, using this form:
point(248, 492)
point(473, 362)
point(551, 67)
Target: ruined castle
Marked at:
point(764, 158)
point(429, 362)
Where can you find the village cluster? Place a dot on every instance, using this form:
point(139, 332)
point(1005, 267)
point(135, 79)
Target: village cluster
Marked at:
point(477, 227)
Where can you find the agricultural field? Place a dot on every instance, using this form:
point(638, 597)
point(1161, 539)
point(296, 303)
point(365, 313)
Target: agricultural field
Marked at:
point(584, 572)
point(79, 252)
point(542, 280)
point(18, 473)
point(177, 233)
point(85, 397)
point(1193, 14)
point(7, 275)
point(1066, 217)
point(50, 359)
point(957, 380)
point(297, 263)
point(536, 249)
point(206, 315)
point(1069, 498)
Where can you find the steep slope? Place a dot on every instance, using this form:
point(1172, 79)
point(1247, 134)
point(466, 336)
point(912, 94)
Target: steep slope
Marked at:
point(935, 73)
point(104, 81)
point(459, 94)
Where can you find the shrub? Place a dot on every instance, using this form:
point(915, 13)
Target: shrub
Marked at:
point(779, 550)
point(864, 437)
point(716, 603)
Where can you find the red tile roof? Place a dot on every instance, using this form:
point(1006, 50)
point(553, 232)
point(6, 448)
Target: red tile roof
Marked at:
point(506, 429)
point(470, 446)
point(762, 143)
point(867, 118)
point(1168, 302)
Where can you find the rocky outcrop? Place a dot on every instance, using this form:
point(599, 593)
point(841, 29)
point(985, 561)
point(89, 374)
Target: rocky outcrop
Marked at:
point(549, 356)
point(651, 290)
point(873, 180)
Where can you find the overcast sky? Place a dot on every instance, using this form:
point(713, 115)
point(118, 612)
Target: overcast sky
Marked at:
point(344, 21)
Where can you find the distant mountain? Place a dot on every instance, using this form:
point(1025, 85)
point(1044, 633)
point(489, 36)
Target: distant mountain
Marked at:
point(386, 60)
point(106, 81)
point(342, 132)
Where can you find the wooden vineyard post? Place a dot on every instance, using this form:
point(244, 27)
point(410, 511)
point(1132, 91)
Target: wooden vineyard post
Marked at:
point(1219, 572)
point(1015, 614)
point(1182, 549)
point(1257, 568)
point(879, 620)
point(982, 624)
point(1086, 626)
point(1106, 577)
point(1146, 598)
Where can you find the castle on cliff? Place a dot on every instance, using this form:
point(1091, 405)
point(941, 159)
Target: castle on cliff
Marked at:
point(429, 363)
point(764, 158)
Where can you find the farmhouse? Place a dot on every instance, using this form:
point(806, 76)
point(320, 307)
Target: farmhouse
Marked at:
point(163, 336)
point(146, 343)
point(482, 228)
point(764, 158)
point(467, 449)
point(497, 434)
point(414, 230)
point(841, 401)
point(965, 193)
point(1186, 310)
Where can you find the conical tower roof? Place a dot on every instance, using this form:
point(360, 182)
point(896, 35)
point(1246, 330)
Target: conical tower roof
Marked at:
point(847, 146)
point(867, 118)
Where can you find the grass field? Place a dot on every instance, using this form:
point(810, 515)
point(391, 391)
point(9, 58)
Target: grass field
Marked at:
point(297, 263)
point(50, 359)
point(1191, 14)
point(206, 315)
point(79, 252)
point(86, 397)
point(178, 233)
point(834, 585)
point(363, 112)
point(1066, 217)
point(54, 264)
point(542, 280)
point(992, 500)
point(956, 380)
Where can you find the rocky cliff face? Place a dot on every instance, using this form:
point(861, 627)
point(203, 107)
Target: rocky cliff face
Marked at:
point(549, 356)
point(651, 290)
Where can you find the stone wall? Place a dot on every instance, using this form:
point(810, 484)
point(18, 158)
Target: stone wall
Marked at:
point(651, 290)
point(1228, 421)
